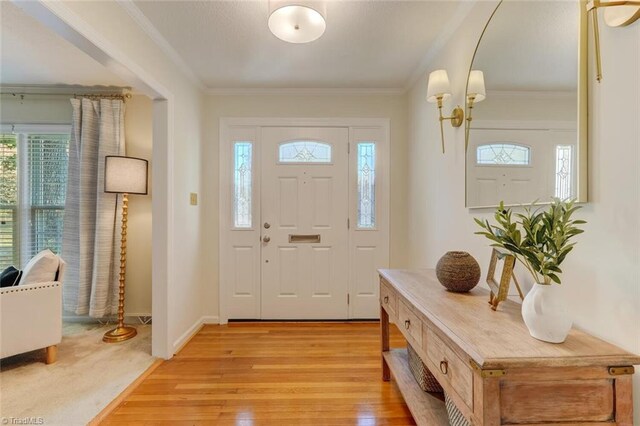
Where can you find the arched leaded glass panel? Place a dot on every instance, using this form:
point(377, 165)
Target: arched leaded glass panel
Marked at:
point(507, 154)
point(304, 152)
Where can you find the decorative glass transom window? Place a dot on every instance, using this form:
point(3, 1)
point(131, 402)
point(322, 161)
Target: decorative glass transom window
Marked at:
point(564, 172)
point(242, 188)
point(366, 185)
point(304, 152)
point(508, 154)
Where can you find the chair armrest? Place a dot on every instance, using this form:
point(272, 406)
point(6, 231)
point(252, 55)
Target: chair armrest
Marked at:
point(30, 317)
point(30, 287)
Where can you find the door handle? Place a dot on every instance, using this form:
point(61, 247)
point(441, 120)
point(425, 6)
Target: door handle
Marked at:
point(266, 239)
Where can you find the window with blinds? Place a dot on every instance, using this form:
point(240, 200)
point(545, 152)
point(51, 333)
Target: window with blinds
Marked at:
point(9, 249)
point(33, 168)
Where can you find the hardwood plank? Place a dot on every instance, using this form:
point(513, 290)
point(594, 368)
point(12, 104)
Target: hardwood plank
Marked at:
point(498, 339)
point(272, 374)
point(426, 408)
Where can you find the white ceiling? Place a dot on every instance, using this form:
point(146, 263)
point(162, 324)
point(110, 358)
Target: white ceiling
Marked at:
point(31, 54)
point(531, 46)
point(367, 44)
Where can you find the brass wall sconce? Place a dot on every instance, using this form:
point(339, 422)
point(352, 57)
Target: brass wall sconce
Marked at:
point(475, 93)
point(439, 90)
point(617, 14)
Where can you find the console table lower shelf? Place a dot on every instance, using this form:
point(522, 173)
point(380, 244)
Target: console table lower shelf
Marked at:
point(426, 408)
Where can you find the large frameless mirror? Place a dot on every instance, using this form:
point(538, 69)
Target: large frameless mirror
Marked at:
point(526, 137)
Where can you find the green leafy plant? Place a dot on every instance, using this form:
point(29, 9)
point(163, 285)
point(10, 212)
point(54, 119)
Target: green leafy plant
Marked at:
point(539, 239)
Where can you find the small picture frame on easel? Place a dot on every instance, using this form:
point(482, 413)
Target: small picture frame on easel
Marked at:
point(500, 289)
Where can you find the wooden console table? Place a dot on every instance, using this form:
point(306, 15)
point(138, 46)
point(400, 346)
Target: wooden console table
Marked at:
point(491, 368)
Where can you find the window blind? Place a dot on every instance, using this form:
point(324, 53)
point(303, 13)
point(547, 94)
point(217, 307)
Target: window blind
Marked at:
point(48, 156)
point(8, 200)
point(33, 171)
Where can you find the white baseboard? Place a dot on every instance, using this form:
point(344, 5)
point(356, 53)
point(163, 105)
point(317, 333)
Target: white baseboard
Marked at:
point(129, 318)
point(211, 319)
point(186, 336)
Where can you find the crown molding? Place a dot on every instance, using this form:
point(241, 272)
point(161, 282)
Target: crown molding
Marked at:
point(450, 28)
point(145, 24)
point(318, 91)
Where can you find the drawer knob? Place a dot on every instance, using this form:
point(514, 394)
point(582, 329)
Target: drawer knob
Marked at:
point(407, 324)
point(386, 299)
point(444, 366)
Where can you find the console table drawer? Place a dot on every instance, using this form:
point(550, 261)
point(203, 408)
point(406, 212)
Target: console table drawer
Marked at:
point(389, 299)
point(450, 367)
point(410, 323)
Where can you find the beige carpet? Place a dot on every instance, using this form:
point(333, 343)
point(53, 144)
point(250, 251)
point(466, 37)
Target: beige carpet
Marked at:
point(87, 376)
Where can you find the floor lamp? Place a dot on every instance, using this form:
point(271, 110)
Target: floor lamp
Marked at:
point(124, 175)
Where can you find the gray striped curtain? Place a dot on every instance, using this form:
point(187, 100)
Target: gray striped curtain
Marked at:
point(92, 217)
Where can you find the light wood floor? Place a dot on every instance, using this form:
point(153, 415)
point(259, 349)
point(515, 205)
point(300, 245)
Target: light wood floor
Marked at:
point(271, 374)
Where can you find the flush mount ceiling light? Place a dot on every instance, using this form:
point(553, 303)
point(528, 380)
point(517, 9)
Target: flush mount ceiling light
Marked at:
point(297, 21)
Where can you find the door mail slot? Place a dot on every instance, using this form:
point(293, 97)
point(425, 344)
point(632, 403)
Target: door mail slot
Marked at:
point(299, 238)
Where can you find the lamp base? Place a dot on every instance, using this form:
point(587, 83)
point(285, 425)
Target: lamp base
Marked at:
point(119, 334)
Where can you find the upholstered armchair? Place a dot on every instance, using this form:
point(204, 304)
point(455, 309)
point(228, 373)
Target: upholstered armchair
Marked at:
point(31, 317)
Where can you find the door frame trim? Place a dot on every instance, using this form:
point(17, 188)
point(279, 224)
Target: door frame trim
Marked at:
point(225, 184)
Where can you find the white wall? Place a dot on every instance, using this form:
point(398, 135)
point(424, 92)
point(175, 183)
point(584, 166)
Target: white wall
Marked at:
point(138, 125)
point(35, 109)
point(527, 106)
point(276, 105)
point(49, 109)
point(602, 276)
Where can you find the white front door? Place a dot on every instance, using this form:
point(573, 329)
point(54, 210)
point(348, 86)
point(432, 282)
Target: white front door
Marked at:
point(304, 211)
point(304, 217)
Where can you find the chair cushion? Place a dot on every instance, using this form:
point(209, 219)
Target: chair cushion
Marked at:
point(10, 277)
point(41, 269)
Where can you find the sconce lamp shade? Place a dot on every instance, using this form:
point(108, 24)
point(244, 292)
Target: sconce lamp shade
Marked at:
point(476, 88)
point(125, 175)
point(438, 86)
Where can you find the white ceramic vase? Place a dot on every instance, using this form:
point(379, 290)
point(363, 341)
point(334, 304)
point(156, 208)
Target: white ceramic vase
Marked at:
point(544, 314)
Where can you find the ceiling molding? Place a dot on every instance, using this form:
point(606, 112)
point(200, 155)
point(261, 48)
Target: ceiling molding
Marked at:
point(305, 91)
point(463, 10)
point(145, 24)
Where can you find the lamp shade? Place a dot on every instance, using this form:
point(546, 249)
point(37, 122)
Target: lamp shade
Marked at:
point(297, 21)
point(438, 86)
point(475, 88)
point(125, 175)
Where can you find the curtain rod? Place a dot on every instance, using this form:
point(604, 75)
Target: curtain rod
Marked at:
point(122, 96)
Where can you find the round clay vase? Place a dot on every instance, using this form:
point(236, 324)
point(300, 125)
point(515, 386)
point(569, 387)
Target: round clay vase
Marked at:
point(545, 315)
point(458, 271)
